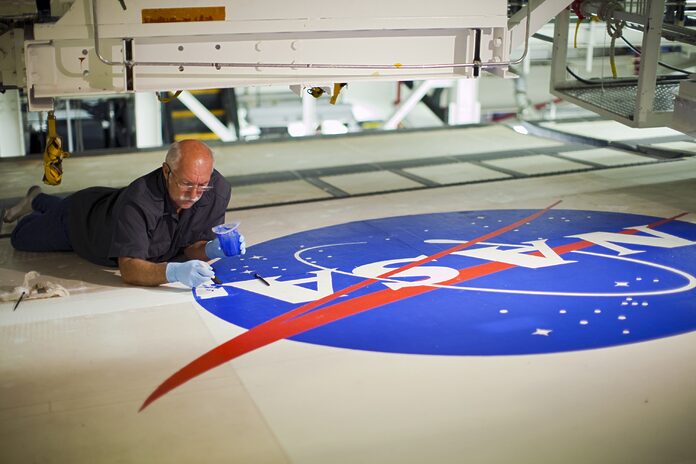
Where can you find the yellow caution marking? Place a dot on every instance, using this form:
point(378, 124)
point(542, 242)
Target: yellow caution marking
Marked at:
point(183, 15)
point(204, 91)
point(197, 136)
point(371, 124)
point(180, 114)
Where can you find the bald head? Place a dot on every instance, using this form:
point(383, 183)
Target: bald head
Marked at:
point(188, 152)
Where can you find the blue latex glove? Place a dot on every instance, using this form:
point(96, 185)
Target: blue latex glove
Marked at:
point(192, 273)
point(213, 249)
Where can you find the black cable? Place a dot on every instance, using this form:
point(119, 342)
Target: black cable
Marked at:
point(595, 81)
point(668, 66)
point(3, 87)
point(584, 81)
point(546, 38)
point(543, 37)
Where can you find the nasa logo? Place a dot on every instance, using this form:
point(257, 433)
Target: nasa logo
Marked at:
point(505, 282)
point(463, 284)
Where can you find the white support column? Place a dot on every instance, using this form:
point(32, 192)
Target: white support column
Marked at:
point(464, 107)
point(208, 118)
point(309, 113)
point(11, 128)
point(590, 47)
point(650, 53)
point(408, 104)
point(559, 54)
point(68, 125)
point(148, 120)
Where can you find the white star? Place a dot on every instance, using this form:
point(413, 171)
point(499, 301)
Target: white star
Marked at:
point(620, 284)
point(247, 272)
point(256, 257)
point(544, 332)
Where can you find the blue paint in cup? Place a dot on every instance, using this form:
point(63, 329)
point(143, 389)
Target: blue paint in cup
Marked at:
point(228, 235)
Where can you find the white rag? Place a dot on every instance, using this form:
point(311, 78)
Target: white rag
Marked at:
point(34, 288)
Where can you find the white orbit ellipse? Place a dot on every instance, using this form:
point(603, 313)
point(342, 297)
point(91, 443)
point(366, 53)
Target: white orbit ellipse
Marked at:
point(691, 280)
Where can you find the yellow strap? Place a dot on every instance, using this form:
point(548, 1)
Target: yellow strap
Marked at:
point(168, 99)
point(336, 90)
point(612, 60)
point(54, 154)
point(51, 125)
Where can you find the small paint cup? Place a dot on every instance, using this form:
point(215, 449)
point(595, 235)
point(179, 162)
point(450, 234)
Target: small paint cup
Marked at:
point(229, 238)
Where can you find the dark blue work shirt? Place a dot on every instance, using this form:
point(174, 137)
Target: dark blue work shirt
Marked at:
point(140, 221)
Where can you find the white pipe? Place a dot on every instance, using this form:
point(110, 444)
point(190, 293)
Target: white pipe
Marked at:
point(309, 113)
point(208, 118)
point(408, 105)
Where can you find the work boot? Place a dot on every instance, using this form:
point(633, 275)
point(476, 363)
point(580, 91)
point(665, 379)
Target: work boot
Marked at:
point(22, 208)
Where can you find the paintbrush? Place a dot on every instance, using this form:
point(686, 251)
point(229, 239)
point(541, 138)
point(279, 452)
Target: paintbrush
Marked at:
point(261, 279)
point(19, 300)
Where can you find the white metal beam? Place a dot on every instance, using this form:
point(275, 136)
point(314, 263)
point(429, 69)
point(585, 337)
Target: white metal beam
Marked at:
point(408, 104)
point(208, 118)
point(650, 53)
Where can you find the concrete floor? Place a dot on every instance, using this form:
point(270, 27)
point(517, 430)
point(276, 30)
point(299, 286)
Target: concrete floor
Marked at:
point(75, 370)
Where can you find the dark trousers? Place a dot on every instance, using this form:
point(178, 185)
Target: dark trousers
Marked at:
point(45, 229)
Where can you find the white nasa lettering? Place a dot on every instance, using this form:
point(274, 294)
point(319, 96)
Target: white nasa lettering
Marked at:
point(291, 291)
point(657, 239)
point(516, 255)
point(430, 274)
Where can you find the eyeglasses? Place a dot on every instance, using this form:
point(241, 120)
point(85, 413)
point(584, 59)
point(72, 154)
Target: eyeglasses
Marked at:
point(187, 186)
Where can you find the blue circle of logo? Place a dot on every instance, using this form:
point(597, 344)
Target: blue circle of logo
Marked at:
point(468, 283)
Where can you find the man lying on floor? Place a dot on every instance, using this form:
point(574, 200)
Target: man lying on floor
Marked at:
point(156, 230)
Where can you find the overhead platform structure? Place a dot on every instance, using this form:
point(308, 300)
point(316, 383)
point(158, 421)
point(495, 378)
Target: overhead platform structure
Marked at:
point(648, 100)
point(98, 47)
